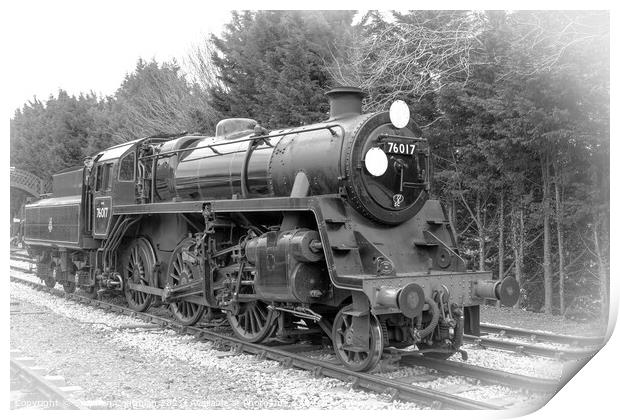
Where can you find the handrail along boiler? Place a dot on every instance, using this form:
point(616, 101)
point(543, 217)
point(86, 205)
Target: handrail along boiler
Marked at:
point(326, 228)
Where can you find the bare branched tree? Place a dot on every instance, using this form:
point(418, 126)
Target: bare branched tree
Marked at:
point(545, 37)
point(424, 51)
point(199, 67)
point(408, 58)
point(160, 100)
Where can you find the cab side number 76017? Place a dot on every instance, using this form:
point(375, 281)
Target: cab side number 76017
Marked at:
point(102, 212)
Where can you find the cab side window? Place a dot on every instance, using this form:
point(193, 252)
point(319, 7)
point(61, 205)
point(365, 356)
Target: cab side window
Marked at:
point(103, 181)
point(126, 168)
point(99, 178)
point(107, 176)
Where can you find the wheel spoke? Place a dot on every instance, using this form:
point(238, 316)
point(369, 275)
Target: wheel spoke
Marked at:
point(260, 323)
point(246, 322)
point(346, 321)
point(253, 323)
point(263, 316)
point(176, 268)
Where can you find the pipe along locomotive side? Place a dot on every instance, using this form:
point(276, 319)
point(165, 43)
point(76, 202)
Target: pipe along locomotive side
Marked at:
point(327, 228)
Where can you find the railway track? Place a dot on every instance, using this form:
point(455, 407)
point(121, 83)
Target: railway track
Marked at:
point(290, 359)
point(292, 356)
point(491, 376)
point(530, 349)
point(30, 387)
point(23, 258)
point(541, 336)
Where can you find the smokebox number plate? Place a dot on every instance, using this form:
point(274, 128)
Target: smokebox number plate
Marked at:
point(399, 148)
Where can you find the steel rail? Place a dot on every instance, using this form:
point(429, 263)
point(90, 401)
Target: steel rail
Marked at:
point(530, 349)
point(395, 389)
point(44, 387)
point(573, 340)
point(518, 347)
point(492, 376)
point(22, 258)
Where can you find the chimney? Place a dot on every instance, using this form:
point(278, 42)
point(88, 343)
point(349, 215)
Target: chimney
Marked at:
point(344, 100)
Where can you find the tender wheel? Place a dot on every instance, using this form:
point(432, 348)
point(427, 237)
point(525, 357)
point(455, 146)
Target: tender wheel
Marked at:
point(42, 270)
point(138, 263)
point(180, 272)
point(53, 276)
point(252, 321)
point(353, 358)
point(90, 292)
point(69, 287)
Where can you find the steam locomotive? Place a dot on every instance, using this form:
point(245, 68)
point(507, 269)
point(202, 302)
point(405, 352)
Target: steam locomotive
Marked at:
point(325, 228)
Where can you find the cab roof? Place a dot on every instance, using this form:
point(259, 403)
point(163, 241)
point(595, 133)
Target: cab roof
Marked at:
point(117, 151)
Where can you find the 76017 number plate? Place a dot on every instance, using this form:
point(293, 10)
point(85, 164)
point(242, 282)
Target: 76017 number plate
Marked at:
point(398, 148)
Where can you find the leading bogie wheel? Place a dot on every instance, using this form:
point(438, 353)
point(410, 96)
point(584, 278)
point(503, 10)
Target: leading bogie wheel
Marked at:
point(138, 264)
point(180, 272)
point(356, 358)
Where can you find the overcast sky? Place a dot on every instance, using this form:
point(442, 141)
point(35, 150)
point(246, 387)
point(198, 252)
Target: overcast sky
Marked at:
point(91, 45)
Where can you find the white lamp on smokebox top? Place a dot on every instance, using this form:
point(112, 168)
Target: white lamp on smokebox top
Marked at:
point(399, 114)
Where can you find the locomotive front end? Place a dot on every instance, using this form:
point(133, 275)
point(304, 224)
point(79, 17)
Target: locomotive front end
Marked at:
point(395, 249)
point(373, 260)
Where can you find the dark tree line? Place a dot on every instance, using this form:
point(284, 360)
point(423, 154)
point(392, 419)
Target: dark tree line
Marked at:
point(515, 105)
point(155, 98)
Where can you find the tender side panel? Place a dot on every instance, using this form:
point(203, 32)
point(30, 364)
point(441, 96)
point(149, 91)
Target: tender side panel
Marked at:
point(54, 224)
point(68, 183)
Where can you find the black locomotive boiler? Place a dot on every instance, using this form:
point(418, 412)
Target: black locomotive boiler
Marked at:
point(328, 227)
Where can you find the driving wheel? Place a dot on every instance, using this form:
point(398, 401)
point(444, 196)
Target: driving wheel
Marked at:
point(251, 321)
point(179, 273)
point(138, 264)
